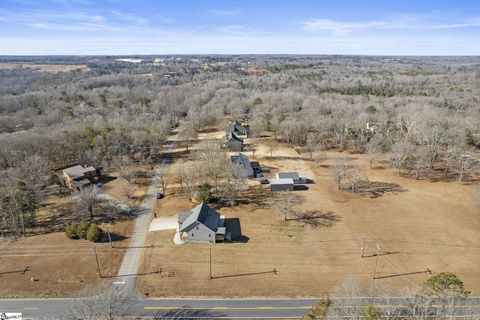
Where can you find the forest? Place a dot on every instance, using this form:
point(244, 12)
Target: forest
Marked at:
point(418, 115)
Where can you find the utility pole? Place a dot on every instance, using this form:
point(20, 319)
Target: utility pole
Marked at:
point(211, 277)
point(109, 238)
point(363, 248)
point(376, 262)
point(96, 259)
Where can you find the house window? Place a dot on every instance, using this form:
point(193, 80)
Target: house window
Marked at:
point(193, 234)
point(209, 235)
point(196, 227)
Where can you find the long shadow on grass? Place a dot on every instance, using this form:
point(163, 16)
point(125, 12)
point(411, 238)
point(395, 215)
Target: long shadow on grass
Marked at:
point(317, 219)
point(274, 271)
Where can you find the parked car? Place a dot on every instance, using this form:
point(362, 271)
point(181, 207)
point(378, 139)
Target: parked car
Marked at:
point(159, 195)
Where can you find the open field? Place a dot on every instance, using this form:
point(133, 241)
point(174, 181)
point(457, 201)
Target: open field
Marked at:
point(45, 67)
point(421, 227)
point(58, 265)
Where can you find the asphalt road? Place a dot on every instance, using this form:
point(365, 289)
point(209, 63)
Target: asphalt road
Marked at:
point(195, 308)
point(173, 308)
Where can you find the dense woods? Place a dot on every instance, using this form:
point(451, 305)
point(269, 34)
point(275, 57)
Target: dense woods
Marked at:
point(420, 115)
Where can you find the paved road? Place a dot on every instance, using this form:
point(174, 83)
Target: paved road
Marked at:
point(194, 308)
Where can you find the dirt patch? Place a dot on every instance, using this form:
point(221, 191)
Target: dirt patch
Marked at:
point(418, 225)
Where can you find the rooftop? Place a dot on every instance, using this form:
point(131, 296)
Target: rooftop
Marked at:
point(280, 181)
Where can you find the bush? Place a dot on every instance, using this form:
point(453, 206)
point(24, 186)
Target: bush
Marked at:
point(371, 313)
point(82, 229)
point(71, 231)
point(93, 233)
point(204, 193)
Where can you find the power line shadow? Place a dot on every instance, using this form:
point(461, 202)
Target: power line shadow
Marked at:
point(404, 274)
point(22, 271)
point(381, 254)
point(274, 271)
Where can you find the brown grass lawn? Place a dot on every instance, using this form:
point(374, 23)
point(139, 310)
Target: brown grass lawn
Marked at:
point(60, 266)
point(46, 67)
point(419, 225)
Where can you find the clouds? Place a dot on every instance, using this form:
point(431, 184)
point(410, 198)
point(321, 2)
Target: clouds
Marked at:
point(403, 22)
point(128, 17)
point(224, 12)
point(191, 26)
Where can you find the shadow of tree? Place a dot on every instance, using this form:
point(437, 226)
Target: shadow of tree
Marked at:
point(183, 313)
point(376, 189)
point(317, 219)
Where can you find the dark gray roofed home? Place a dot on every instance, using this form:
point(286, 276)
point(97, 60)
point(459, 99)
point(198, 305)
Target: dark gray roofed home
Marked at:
point(242, 166)
point(201, 224)
point(238, 129)
point(233, 143)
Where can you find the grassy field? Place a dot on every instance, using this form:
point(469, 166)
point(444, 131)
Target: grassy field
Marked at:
point(421, 227)
point(58, 266)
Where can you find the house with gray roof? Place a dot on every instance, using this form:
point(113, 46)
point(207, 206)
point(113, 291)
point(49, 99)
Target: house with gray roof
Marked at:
point(233, 143)
point(242, 167)
point(238, 129)
point(201, 224)
point(78, 177)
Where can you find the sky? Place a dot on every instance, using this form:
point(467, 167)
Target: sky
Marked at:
point(135, 27)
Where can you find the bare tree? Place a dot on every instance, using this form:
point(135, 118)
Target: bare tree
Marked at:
point(85, 201)
point(187, 132)
point(272, 146)
point(161, 179)
point(104, 302)
point(402, 152)
point(356, 176)
point(124, 166)
point(286, 202)
point(339, 171)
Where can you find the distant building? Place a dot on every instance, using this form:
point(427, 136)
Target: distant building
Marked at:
point(242, 166)
point(371, 127)
point(281, 184)
point(78, 177)
point(238, 129)
point(233, 143)
point(291, 175)
point(131, 60)
point(201, 224)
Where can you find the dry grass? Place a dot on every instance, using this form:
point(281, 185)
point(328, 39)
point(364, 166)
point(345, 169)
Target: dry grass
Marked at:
point(418, 225)
point(54, 68)
point(59, 266)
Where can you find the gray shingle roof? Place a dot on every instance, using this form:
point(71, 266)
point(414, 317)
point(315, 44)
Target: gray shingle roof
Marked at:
point(242, 161)
point(232, 136)
point(77, 172)
point(281, 181)
point(235, 126)
point(203, 214)
point(288, 175)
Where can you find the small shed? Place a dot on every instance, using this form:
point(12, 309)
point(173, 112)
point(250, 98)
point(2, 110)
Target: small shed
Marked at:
point(292, 175)
point(281, 185)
